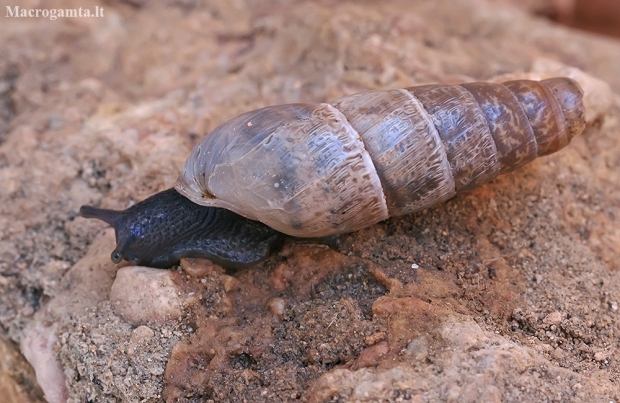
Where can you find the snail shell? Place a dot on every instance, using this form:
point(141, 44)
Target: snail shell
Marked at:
point(312, 170)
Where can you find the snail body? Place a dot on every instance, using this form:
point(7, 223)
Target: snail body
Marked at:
point(315, 170)
point(165, 227)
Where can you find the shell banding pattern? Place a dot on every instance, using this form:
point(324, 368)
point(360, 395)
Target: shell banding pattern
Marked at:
point(314, 170)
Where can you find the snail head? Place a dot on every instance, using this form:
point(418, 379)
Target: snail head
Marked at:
point(145, 232)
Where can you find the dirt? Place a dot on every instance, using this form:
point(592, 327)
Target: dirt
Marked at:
point(506, 293)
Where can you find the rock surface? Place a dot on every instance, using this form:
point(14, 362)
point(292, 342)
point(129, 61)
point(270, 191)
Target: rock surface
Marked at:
point(507, 293)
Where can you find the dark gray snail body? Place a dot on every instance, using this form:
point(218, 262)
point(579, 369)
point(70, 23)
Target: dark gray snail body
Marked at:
point(165, 227)
point(313, 170)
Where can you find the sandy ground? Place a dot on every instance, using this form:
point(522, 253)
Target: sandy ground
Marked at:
point(507, 293)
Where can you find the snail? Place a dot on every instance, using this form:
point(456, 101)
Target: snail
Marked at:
point(316, 170)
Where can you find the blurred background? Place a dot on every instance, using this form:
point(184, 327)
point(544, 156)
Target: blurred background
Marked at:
point(598, 16)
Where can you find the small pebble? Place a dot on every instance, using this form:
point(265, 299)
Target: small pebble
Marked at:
point(142, 295)
point(198, 267)
point(600, 356)
point(230, 283)
point(277, 307)
point(554, 318)
point(141, 334)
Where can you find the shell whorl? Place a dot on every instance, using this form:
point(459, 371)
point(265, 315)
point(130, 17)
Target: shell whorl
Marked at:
point(316, 170)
